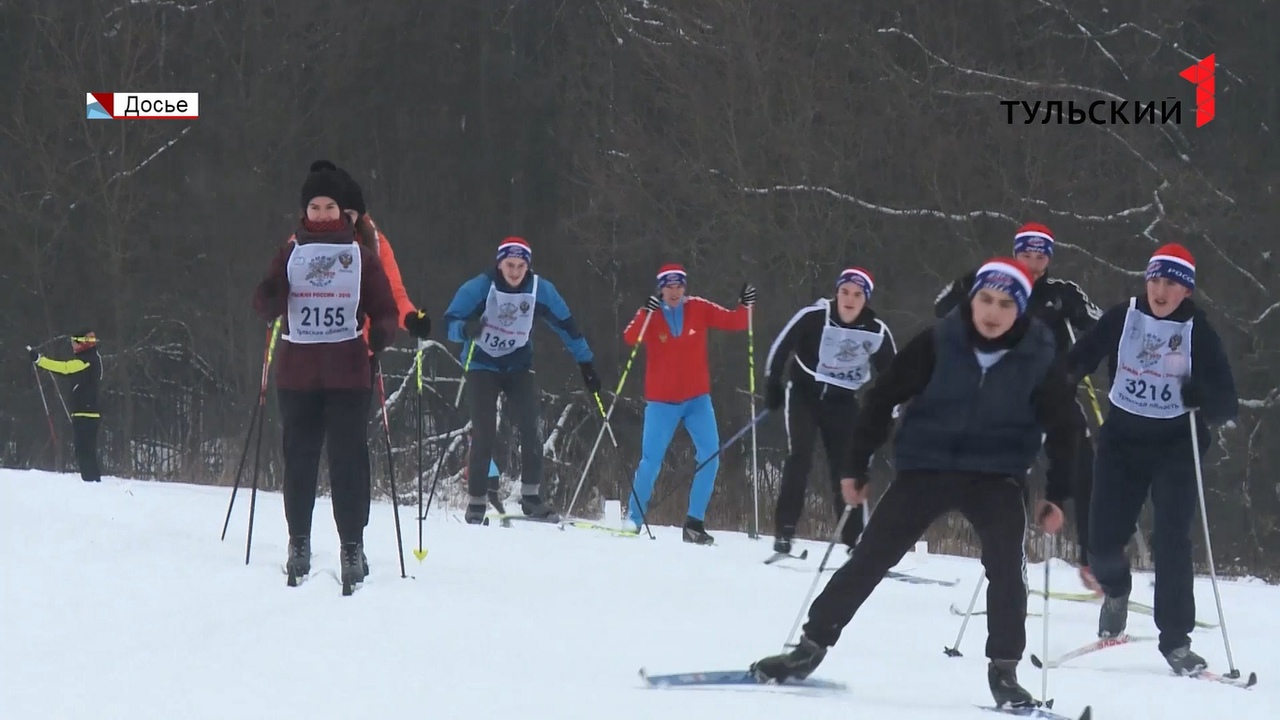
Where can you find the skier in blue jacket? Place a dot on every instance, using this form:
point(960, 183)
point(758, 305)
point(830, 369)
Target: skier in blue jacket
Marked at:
point(492, 315)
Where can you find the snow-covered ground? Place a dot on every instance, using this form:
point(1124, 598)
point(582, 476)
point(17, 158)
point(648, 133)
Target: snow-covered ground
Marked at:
point(118, 601)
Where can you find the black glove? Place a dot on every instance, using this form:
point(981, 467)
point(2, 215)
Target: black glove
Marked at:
point(471, 328)
point(590, 377)
point(774, 396)
point(748, 295)
point(652, 304)
point(33, 353)
point(1192, 394)
point(377, 339)
point(418, 324)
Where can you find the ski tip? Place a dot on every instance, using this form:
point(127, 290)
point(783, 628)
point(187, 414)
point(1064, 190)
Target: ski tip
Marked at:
point(1036, 662)
point(804, 553)
point(1087, 714)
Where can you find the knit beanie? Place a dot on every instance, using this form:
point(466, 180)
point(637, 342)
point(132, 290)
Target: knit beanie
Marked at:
point(672, 274)
point(1033, 237)
point(1175, 263)
point(515, 247)
point(325, 180)
point(1005, 275)
point(858, 277)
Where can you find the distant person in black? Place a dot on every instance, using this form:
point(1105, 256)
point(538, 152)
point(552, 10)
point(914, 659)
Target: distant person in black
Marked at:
point(835, 345)
point(1166, 361)
point(84, 371)
point(1065, 308)
point(983, 388)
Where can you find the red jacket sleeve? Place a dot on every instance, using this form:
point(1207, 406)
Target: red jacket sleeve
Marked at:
point(271, 297)
point(377, 301)
point(722, 318)
point(631, 335)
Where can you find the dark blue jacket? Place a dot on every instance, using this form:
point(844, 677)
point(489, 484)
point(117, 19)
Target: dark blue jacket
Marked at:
point(964, 419)
point(1210, 369)
point(468, 303)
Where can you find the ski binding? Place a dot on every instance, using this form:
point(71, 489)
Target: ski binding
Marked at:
point(782, 556)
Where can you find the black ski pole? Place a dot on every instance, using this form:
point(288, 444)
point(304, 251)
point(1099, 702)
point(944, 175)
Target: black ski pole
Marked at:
point(391, 473)
point(254, 419)
point(253, 493)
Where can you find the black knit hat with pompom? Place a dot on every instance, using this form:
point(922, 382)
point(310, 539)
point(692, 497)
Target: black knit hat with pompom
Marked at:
point(326, 180)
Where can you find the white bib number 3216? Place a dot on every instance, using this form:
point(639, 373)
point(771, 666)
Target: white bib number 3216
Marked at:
point(1152, 360)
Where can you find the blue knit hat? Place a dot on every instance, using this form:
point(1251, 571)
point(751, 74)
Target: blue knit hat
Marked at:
point(1005, 275)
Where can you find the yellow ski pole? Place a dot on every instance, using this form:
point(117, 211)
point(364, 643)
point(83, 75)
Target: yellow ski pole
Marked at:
point(616, 394)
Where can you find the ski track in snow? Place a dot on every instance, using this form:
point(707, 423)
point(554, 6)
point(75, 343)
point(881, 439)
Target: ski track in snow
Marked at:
point(118, 601)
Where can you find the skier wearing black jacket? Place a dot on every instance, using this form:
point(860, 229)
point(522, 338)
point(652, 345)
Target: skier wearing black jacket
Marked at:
point(835, 345)
point(1166, 361)
point(984, 388)
point(1065, 308)
point(84, 371)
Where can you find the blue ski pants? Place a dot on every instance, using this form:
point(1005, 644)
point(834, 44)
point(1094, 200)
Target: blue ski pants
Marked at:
point(660, 422)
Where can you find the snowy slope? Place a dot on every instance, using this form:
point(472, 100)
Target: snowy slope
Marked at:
point(118, 601)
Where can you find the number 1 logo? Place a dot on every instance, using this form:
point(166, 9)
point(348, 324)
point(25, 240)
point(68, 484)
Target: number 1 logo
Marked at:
point(1201, 75)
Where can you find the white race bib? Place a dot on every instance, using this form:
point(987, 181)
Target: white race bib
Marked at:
point(324, 292)
point(844, 355)
point(508, 320)
point(1153, 358)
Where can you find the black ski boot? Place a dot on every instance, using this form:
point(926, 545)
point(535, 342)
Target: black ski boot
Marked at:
point(782, 545)
point(798, 664)
point(298, 566)
point(1185, 662)
point(1002, 676)
point(1114, 616)
point(352, 568)
point(475, 511)
point(532, 506)
point(696, 532)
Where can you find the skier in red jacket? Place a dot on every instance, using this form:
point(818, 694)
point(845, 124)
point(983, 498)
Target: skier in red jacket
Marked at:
point(677, 387)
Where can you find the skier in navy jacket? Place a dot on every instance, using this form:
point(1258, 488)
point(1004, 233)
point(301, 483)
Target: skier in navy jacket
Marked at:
point(1166, 361)
point(981, 391)
point(492, 315)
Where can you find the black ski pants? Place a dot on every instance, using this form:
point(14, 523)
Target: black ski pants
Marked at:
point(1083, 490)
point(810, 416)
point(333, 420)
point(366, 463)
point(1126, 472)
point(992, 504)
point(483, 387)
point(84, 437)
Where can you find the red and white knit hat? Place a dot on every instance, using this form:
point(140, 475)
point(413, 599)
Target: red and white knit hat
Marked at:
point(1005, 275)
point(1033, 237)
point(859, 277)
point(672, 274)
point(515, 247)
point(1174, 262)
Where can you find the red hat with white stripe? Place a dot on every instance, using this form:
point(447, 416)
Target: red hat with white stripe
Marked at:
point(1005, 275)
point(672, 274)
point(1033, 237)
point(1175, 263)
point(515, 247)
point(859, 277)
